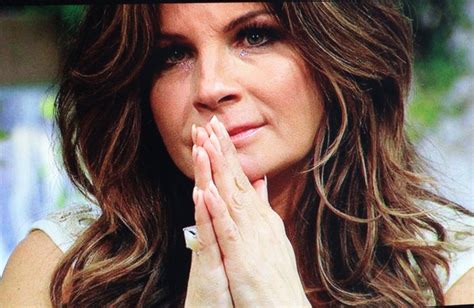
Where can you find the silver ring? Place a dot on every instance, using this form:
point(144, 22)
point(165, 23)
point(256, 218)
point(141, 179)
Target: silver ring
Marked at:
point(190, 237)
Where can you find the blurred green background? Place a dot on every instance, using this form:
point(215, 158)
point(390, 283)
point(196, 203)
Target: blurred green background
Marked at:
point(32, 40)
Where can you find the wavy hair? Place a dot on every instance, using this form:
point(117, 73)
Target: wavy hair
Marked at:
point(362, 221)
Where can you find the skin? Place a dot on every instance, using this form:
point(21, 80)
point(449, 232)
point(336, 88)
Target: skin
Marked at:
point(226, 76)
point(238, 231)
point(25, 281)
point(245, 257)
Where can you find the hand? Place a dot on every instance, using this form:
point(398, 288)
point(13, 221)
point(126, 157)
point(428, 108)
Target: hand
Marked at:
point(258, 258)
point(207, 284)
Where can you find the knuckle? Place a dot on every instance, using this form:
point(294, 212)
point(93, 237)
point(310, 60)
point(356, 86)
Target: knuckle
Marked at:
point(205, 244)
point(231, 233)
point(241, 182)
point(238, 201)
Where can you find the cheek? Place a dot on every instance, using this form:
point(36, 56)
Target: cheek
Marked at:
point(164, 119)
point(291, 94)
point(171, 124)
point(298, 108)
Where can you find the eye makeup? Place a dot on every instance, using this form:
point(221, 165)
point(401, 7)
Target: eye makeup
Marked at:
point(250, 38)
point(258, 34)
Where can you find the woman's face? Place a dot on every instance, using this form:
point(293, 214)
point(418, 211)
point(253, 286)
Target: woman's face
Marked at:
point(232, 60)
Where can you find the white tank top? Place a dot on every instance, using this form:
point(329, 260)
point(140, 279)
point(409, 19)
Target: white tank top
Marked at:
point(65, 226)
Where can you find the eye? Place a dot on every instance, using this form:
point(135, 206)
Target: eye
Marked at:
point(173, 55)
point(258, 35)
point(255, 38)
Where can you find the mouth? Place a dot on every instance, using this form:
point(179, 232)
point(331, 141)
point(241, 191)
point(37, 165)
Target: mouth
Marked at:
point(241, 135)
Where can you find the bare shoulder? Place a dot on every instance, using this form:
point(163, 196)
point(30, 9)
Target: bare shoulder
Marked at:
point(462, 291)
point(26, 279)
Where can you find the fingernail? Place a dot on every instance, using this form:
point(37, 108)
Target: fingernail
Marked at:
point(195, 189)
point(266, 180)
point(201, 135)
point(200, 195)
point(215, 125)
point(198, 151)
point(194, 151)
point(215, 142)
point(223, 130)
point(193, 133)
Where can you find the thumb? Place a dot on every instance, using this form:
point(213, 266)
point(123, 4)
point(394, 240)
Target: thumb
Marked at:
point(261, 187)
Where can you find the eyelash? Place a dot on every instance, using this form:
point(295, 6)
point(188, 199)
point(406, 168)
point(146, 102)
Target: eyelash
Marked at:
point(270, 35)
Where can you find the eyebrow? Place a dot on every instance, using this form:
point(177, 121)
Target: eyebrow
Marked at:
point(244, 18)
point(229, 27)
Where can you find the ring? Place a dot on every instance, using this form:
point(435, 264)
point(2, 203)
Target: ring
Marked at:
point(190, 237)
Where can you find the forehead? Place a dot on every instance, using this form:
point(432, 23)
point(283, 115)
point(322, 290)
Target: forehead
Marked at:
point(185, 16)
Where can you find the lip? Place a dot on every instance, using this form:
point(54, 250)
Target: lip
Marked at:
point(242, 134)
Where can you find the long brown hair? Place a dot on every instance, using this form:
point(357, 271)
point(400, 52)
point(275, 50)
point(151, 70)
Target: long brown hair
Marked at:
point(361, 221)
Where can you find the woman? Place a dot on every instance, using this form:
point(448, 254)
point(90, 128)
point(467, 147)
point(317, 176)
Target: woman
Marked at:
point(276, 128)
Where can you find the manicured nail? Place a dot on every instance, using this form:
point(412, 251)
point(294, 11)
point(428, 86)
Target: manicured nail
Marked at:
point(198, 152)
point(193, 133)
point(195, 190)
point(200, 195)
point(215, 125)
point(201, 136)
point(215, 142)
point(223, 130)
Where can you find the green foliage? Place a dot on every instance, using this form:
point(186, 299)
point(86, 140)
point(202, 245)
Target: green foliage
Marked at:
point(434, 79)
point(47, 107)
point(69, 15)
point(3, 135)
point(437, 64)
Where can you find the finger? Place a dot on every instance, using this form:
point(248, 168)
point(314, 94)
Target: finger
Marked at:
point(236, 200)
point(201, 136)
point(227, 147)
point(221, 173)
point(202, 168)
point(226, 230)
point(261, 187)
point(208, 248)
point(213, 138)
point(229, 164)
point(227, 171)
point(202, 165)
point(208, 283)
point(193, 133)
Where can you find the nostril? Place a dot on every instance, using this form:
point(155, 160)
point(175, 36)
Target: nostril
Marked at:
point(213, 103)
point(227, 98)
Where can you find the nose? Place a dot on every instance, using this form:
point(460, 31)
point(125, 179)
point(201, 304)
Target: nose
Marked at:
point(215, 80)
